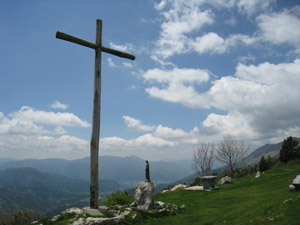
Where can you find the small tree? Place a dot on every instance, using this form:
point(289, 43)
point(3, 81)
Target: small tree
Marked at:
point(203, 159)
point(231, 151)
point(263, 164)
point(289, 150)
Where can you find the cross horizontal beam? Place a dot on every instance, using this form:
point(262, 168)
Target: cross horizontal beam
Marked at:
point(85, 43)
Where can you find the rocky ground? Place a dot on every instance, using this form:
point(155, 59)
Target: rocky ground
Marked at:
point(111, 215)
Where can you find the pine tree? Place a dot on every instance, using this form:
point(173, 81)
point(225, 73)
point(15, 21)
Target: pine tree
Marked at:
point(289, 150)
point(263, 164)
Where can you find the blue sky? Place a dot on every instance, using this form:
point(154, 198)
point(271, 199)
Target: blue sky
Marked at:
point(203, 69)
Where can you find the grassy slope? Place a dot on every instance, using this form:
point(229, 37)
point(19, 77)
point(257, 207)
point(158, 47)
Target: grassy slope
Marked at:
point(247, 201)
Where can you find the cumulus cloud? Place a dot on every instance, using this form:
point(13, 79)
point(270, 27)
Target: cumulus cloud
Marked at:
point(32, 131)
point(180, 20)
point(166, 132)
point(58, 105)
point(260, 100)
point(127, 64)
point(141, 142)
point(177, 85)
point(111, 63)
point(16, 126)
point(124, 48)
point(160, 137)
point(183, 21)
point(136, 125)
point(43, 143)
point(212, 43)
point(31, 115)
point(254, 6)
point(280, 27)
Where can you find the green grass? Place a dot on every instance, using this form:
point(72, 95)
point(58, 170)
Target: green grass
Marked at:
point(118, 198)
point(266, 200)
point(247, 201)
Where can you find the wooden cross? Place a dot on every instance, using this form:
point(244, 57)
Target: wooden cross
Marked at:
point(94, 145)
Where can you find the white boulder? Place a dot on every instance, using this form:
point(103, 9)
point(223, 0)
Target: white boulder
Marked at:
point(226, 180)
point(178, 186)
point(144, 195)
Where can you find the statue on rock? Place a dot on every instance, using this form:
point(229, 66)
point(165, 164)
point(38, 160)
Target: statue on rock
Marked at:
point(144, 192)
point(147, 172)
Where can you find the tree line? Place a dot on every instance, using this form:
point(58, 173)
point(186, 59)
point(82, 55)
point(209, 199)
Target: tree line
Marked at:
point(290, 150)
point(231, 151)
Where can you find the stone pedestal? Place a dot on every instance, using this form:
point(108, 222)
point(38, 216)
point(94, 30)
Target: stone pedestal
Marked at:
point(209, 182)
point(144, 195)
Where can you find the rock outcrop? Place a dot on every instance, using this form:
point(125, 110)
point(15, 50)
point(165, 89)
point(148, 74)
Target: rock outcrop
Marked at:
point(296, 184)
point(144, 195)
point(226, 180)
point(113, 215)
point(258, 174)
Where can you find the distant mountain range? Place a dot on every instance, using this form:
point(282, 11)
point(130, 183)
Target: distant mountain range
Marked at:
point(28, 188)
point(51, 185)
point(123, 170)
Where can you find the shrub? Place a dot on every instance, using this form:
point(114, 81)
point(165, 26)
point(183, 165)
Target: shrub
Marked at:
point(20, 217)
point(196, 181)
point(118, 198)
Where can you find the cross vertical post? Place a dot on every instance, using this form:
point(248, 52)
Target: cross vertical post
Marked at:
point(94, 144)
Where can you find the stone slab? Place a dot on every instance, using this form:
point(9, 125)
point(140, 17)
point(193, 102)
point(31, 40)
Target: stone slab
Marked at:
point(92, 212)
point(194, 188)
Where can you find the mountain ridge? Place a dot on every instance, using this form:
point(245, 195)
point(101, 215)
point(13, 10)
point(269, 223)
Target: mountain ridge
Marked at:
point(120, 169)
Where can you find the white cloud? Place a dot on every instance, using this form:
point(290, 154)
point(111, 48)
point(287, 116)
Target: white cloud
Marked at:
point(124, 48)
point(127, 64)
point(184, 19)
point(60, 130)
point(141, 142)
point(260, 100)
point(244, 59)
point(254, 6)
point(166, 132)
point(210, 42)
point(180, 19)
point(148, 140)
point(28, 114)
point(231, 21)
point(111, 63)
point(177, 85)
point(58, 105)
point(15, 126)
point(162, 137)
point(42, 144)
point(178, 135)
point(177, 75)
point(24, 132)
point(282, 27)
point(136, 125)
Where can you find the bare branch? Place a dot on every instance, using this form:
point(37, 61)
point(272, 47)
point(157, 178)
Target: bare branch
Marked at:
point(203, 160)
point(231, 151)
